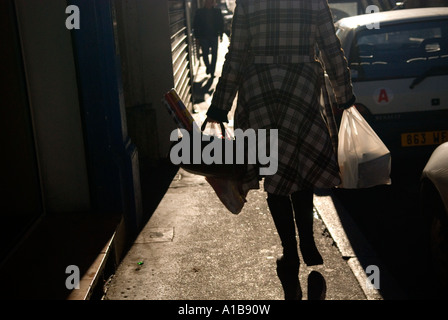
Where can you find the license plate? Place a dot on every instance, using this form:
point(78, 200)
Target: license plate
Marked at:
point(427, 138)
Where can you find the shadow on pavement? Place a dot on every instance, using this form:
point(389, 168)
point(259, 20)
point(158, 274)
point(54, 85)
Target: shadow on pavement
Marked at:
point(389, 219)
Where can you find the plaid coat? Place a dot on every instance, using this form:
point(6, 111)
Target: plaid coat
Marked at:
point(272, 65)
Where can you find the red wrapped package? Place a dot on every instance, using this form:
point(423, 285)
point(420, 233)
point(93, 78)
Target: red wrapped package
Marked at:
point(178, 111)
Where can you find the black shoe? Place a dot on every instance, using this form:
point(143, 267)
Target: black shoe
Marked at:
point(317, 288)
point(310, 254)
point(288, 273)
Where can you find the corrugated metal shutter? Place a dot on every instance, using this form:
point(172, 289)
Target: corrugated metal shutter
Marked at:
point(180, 50)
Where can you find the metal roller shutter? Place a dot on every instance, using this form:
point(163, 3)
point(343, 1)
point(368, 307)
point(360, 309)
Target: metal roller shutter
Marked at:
point(180, 51)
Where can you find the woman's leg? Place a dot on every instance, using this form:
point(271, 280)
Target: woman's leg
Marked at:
point(214, 52)
point(282, 214)
point(288, 264)
point(205, 47)
point(302, 202)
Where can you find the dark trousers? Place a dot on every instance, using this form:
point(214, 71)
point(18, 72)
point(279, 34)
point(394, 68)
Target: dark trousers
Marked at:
point(209, 45)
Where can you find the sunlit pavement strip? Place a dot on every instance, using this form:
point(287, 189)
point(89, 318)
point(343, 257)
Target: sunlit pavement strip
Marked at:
point(194, 249)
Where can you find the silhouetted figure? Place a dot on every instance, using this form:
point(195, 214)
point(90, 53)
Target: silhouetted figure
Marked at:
point(208, 28)
point(272, 65)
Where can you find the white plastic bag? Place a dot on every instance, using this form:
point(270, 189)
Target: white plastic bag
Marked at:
point(364, 159)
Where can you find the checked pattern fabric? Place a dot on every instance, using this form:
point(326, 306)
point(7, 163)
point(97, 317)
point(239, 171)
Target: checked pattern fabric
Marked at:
point(273, 67)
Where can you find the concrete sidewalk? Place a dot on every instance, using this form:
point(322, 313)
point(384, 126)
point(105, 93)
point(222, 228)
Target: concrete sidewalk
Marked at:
point(192, 248)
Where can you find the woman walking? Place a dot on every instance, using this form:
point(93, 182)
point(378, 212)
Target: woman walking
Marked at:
point(273, 66)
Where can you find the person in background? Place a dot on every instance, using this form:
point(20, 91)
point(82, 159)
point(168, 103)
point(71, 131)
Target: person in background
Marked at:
point(273, 67)
point(208, 26)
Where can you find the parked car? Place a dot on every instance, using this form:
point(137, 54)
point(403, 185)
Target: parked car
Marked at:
point(399, 65)
point(434, 206)
point(348, 8)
